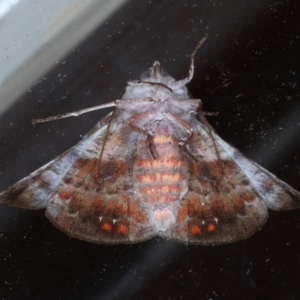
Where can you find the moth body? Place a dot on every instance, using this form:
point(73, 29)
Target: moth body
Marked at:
point(153, 167)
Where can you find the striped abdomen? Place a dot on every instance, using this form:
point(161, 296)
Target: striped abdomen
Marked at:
point(160, 182)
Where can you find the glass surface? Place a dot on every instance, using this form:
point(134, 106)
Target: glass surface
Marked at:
point(248, 70)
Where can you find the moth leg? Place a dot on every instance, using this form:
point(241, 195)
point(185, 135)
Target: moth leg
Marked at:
point(74, 113)
point(183, 142)
point(131, 122)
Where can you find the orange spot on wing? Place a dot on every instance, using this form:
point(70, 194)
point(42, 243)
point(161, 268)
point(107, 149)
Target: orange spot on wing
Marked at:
point(122, 228)
point(210, 227)
point(195, 229)
point(106, 226)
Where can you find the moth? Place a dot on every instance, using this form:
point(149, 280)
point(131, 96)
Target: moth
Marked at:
point(153, 167)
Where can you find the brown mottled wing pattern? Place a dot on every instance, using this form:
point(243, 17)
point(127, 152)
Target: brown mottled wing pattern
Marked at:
point(87, 198)
point(228, 194)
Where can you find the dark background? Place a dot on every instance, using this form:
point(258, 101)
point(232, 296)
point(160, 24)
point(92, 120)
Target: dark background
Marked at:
point(248, 70)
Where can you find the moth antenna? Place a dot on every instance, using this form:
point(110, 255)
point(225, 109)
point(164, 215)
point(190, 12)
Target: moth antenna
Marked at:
point(74, 113)
point(191, 66)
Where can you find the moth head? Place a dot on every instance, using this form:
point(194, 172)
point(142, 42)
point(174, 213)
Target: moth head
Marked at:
point(156, 74)
point(157, 84)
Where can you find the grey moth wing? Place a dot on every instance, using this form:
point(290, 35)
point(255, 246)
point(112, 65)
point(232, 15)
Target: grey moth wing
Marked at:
point(86, 196)
point(275, 193)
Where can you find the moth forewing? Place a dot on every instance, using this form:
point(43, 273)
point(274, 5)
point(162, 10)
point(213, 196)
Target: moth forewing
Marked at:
point(153, 168)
